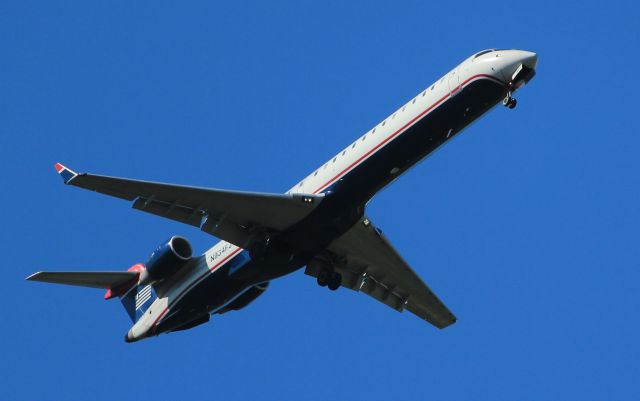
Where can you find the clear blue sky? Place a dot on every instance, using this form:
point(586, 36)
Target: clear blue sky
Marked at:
point(526, 225)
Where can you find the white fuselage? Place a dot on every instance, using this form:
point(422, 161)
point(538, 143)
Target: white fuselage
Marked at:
point(498, 64)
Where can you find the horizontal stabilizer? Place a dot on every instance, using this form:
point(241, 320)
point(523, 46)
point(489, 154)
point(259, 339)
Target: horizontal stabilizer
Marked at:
point(106, 280)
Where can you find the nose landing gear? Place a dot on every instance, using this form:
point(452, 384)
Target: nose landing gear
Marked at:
point(509, 101)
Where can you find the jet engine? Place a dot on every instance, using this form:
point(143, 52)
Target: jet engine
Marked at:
point(166, 260)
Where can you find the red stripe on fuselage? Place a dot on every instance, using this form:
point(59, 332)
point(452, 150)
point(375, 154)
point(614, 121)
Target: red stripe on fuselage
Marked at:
point(401, 130)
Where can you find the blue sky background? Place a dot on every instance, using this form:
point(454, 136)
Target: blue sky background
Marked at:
point(526, 225)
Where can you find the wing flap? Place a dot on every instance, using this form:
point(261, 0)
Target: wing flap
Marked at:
point(371, 265)
point(378, 290)
point(182, 213)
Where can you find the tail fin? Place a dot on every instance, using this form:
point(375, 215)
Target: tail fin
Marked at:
point(135, 297)
point(137, 300)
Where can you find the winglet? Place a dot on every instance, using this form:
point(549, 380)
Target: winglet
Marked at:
point(66, 173)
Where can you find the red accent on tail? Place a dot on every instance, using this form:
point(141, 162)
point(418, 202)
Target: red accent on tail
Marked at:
point(138, 267)
point(122, 289)
point(58, 167)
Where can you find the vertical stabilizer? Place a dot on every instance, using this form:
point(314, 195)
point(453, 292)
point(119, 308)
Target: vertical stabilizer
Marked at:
point(137, 300)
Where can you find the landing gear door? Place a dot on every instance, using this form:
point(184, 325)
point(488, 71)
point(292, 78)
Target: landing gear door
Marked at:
point(454, 82)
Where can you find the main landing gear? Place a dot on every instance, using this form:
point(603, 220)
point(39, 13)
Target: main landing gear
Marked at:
point(509, 101)
point(329, 279)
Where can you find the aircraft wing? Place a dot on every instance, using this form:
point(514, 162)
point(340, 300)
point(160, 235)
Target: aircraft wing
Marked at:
point(368, 263)
point(233, 216)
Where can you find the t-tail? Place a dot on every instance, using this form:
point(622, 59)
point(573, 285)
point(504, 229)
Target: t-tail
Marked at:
point(134, 287)
point(136, 296)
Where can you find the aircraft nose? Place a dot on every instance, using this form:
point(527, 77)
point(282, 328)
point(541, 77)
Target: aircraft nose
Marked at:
point(529, 59)
point(518, 66)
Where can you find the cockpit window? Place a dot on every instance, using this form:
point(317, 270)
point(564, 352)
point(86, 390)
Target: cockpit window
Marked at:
point(483, 52)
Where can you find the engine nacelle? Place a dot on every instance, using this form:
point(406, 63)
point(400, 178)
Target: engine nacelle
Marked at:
point(166, 260)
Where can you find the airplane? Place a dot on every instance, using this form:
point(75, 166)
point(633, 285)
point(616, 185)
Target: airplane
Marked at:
point(320, 223)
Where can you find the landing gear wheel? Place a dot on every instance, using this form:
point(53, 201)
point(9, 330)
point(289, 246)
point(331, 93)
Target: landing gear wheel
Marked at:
point(324, 277)
point(509, 102)
point(336, 280)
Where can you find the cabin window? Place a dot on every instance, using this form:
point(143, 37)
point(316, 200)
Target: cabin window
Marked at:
point(343, 152)
point(424, 93)
point(363, 138)
point(374, 131)
point(383, 123)
point(316, 173)
point(353, 146)
point(414, 100)
point(394, 116)
point(404, 108)
point(334, 159)
point(432, 86)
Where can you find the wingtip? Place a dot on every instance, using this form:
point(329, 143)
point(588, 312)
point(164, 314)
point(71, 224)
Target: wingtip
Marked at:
point(33, 276)
point(65, 172)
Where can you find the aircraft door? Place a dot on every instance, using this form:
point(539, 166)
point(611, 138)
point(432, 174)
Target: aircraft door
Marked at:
point(454, 82)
